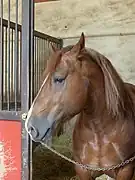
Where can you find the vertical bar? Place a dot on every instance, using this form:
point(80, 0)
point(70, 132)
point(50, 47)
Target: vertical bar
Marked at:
point(48, 48)
point(35, 53)
point(5, 70)
point(43, 59)
point(27, 56)
point(19, 75)
point(37, 68)
point(39, 62)
point(45, 52)
point(16, 58)
point(8, 60)
point(11, 67)
point(1, 54)
point(32, 72)
point(36, 65)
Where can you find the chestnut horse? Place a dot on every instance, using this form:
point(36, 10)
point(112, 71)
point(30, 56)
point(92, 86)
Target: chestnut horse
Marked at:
point(83, 82)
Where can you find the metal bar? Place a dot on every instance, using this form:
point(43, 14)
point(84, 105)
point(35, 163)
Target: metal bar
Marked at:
point(5, 66)
point(16, 58)
point(32, 57)
point(36, 85)
point(57, 40)
point(1, 53)
point(45, 45)
point(10, 115)
point(39, 62)
point(8, 60)
point(44, 54)
point(42, 59)
point(12, 24)
point(11, 67)
point(27, 50)
point(32, 60)
point(45, 36)
point(48, 48)
point(35, 53)
point(20, 75)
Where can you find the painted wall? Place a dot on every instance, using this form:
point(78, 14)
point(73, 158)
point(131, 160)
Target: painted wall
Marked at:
point(99, 17)
point(69, 18)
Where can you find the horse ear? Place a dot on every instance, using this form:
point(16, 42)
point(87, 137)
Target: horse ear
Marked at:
point(54, 48)
point(82, 41)
point(80, 45)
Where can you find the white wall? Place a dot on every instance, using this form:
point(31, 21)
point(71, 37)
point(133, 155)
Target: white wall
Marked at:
point(98, 17)
point(90, 16)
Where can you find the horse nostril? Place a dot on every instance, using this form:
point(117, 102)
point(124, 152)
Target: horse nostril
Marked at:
point(33, 131)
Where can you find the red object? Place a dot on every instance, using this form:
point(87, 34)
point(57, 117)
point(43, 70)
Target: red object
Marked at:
point(10, 150)
point(38, 1)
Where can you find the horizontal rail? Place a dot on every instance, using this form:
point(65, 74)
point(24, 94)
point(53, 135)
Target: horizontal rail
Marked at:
point(47, 37)
point(10, 115)
point(12, 24)
point(36, 33)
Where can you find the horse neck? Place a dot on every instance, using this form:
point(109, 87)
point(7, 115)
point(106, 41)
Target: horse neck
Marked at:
point(96, 103)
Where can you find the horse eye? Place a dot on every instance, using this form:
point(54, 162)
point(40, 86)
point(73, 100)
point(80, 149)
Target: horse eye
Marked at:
point(59, 80)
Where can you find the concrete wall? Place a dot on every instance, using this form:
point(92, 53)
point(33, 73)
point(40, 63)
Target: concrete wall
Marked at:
point(12, 10)
point(108, 18)
point(69, 18)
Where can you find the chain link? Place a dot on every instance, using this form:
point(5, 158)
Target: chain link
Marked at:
point(88, 167)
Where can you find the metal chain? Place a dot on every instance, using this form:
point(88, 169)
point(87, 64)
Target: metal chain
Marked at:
point(88, 167)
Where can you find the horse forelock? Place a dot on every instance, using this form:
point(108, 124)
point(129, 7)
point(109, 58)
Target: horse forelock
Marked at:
point(55, 59)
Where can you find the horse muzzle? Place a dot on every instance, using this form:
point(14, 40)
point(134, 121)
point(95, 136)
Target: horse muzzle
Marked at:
point(39, 128)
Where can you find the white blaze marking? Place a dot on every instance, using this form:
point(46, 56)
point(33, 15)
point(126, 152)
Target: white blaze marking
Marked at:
point(83, 157)
point(31, 108)
point(116, 147)
point(51, 114)
point(94, 144)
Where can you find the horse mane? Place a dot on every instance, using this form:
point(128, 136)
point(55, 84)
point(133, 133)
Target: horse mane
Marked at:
point(118, 99)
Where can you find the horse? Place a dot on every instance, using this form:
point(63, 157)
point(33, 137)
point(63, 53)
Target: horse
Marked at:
point(79, 81)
